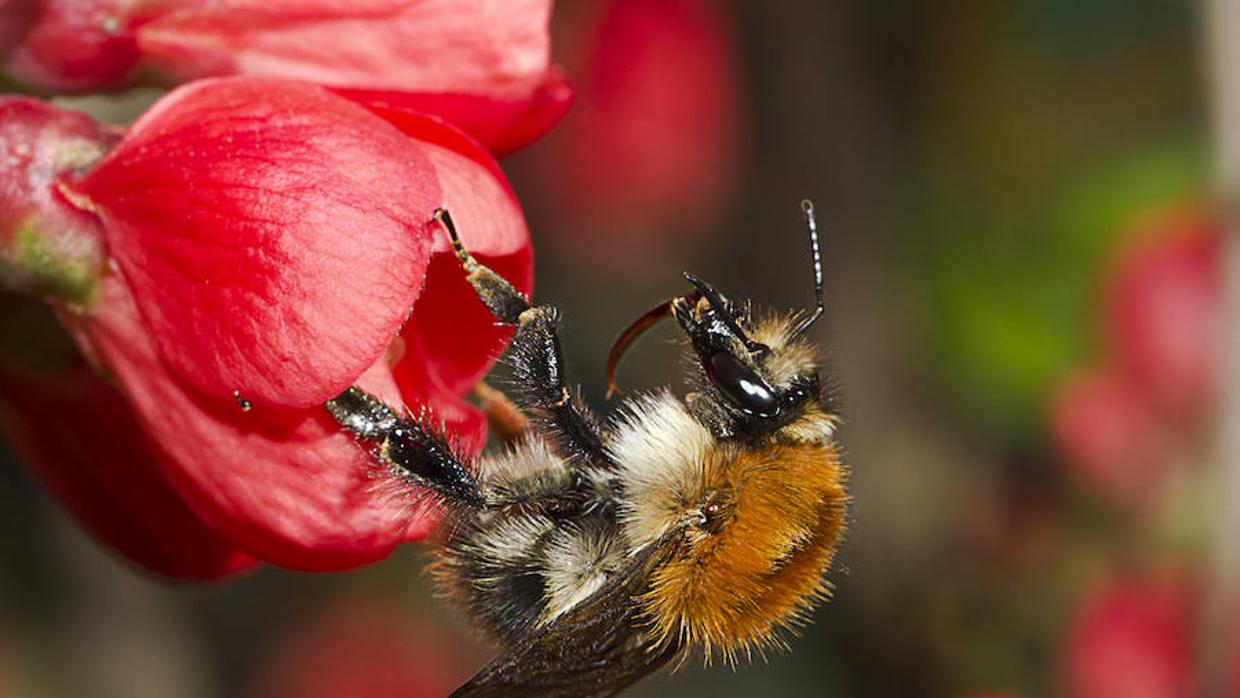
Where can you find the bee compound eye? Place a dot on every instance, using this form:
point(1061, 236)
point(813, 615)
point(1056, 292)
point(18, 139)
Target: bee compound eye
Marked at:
point(741, 386)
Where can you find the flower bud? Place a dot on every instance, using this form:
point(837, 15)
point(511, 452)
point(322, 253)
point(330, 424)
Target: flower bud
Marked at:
point(47, 247)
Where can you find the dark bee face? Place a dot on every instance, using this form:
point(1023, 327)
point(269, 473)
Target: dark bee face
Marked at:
point(741, 385)
point(718, 338)
point(749, 376)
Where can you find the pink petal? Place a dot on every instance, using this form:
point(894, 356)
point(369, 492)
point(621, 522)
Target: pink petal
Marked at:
point(502, 124)
point(483, 65)
point(417, 46)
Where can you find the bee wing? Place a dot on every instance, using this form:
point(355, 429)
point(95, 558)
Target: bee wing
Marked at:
point(594, 649)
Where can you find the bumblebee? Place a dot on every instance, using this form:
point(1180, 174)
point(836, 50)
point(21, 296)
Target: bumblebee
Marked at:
point(599, 550)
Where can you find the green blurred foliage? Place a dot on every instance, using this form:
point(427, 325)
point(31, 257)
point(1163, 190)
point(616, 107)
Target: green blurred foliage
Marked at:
point(1049, 128)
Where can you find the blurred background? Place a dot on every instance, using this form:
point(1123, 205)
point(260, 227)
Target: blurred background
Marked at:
point(1024, 290)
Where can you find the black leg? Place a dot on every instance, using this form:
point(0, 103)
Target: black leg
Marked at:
point(406, 446)
point(535, 355)
point(419, 455)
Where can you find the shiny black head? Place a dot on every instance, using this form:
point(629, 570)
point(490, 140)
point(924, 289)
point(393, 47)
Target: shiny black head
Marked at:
point(752, 378)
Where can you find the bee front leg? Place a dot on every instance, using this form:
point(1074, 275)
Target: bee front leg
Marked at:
point(536, 356)
point(412, 450)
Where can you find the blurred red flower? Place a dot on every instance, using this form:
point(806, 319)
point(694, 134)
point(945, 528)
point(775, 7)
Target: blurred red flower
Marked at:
point(1163, 313)
point(1111, 439)
point(1120, 424)
point(650, 148)
point(484, 66)
point(356, 649)
point(70, 45)
point(1132, 638)
point(269, 240)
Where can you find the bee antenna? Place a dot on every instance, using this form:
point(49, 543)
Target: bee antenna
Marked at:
point(820, 306)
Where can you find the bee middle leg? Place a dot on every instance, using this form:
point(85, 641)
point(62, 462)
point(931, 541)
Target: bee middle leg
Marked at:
point(536, 355)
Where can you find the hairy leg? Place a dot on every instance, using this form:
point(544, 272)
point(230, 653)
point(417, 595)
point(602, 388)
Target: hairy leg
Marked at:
point(412, 450)
point(536, 357)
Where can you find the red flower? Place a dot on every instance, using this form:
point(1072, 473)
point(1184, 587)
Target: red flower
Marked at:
point(355, 649)
point(650, 149)
point(270, 240)
point(1120, 425)
point(1110, 438)
point(1133, 638)
point(484, 66)
point(1163, 313)
point(75, 431)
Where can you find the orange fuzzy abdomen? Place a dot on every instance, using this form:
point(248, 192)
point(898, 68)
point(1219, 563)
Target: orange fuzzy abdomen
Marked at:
point(760, 564)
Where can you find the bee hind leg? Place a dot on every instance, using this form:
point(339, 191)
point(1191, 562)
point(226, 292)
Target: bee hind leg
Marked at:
point(535, 355)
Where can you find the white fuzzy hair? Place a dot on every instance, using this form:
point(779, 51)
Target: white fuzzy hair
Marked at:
point(661, 451)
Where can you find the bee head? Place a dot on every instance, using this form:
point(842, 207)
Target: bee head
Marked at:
point(750, 377)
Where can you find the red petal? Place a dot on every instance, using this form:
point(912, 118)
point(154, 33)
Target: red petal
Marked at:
point(76, 44)
point(79, 435)
point(418, 45)
point(422, 386)
point(288, 485)
point(16, 19)
point(460, 337)
point(275, 235)
point(502, 124)
point(483, 64)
